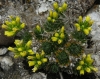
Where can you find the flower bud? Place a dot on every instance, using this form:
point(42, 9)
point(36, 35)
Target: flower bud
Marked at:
point(39, 62)
point(13, 22)
point(30, 51)
point(29, 43)
point(62, 29)
point(54, 38)
point(55, 5)
point(56, 34)
point(53, 20)
point(42, 53)
point(16, 56)
point(7, 22)
point(35, 69)
point(37, 56)
point(81, 72)
point(60, 41)
point(88, 70)
point(86, 31)
point(31, 63)
point(55, 15)
point(20, 49)
point(49, 18)
point(22, 25)
point(4, 26)
point(11, 49)
point(88, 18)
point(50, 13)
point(44, 60)
point(62, 35)
point(89, 28)
point(80, 19)
point(91, 22)
point(9, 33)
point(81, 62)
point(14, 29)
point(17, 19)
point(23, 54)
point(79, 67)
point(60, 9)
point(38, 28)
point(30, 57)
point(64, 6)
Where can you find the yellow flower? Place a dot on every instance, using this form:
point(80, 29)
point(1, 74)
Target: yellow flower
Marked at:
point(56, 34)
point(55, 15)
point(37, 55)
point(15, 29)
point(84, 55)
point(9, 33)
point(54, 38)
point(62, 35)
point(39, 62)
point(44, 60)
point(13, 22)
point(34, 69)
point(60, 41)
point(29, 43)
point(31, 63)
point(17, 19)
point(53, 20)
point(30, 57)
point(38, 28)
point(30, 51)
point(80, 19)
point(50, 13)
point(42, 53)
point(78, 28)
point(60, 9)
point(81, 62)
point(22, 25)
point(64, 6)
point(7, 22)
point(91, 22)
point(86, 31)
point(4, 26)
point(18, 42)
point(88, 70)
point(20, 49)
point(49, 19)
point(94, 69)
point(89, 28)
point(81, 72)
point(77, 25)
point(11, 49)
point(16, 56)
point(62, 29)
point(79, 67)
point(55, 5)
point(87, 18)
point(23, 54)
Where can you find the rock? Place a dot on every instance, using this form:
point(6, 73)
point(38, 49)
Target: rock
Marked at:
point(6, 63)
point(4, 40)
point(3, 51)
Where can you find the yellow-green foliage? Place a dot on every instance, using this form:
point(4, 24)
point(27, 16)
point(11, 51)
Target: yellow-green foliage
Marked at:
point(86, 65)
point(13, 25)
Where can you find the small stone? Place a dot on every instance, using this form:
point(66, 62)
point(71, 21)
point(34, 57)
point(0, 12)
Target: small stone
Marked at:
point(6, 63)
point(3, 51)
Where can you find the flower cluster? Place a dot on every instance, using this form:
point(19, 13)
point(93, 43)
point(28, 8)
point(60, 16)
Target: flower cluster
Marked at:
point(13, 25)
point(59, 36)
point(22, 49)
point(85, 25)
point(58, 9)
point(61, 8)
point(86, 65)
point(36, 60)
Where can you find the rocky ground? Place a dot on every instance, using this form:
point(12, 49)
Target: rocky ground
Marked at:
point(33, 12)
